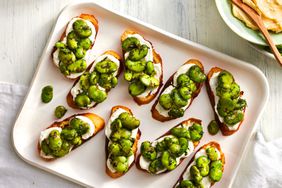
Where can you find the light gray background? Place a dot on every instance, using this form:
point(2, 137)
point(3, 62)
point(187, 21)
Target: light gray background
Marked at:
point(26, 25)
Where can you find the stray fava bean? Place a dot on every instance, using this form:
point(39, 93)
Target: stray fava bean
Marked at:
point(47, 94)
point(136, 88)
point(130, 43)
point(60, 111)
point(213, 127)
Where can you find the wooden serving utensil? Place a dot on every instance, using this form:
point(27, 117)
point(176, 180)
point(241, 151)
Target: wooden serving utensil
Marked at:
point(256, 18)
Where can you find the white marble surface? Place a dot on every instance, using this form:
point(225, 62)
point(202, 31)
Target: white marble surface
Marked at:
point(26, 25)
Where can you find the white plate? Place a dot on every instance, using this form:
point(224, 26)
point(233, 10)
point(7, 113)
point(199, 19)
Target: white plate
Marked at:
point(86, 165)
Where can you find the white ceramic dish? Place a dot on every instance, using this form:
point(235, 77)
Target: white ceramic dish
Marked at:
point(86, 165)
point(261, 49)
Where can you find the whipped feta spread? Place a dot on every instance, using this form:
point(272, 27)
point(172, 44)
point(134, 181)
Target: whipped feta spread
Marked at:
point(108, 132)
point(89, 57)
point(213, 85)
point(182, 70)
point(205, 181)
point(144, 164)
point(148, 57)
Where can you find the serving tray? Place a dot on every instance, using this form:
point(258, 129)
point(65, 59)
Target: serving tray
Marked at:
point(86, 165)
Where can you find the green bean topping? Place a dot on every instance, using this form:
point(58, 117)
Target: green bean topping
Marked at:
point(47, 94)
point(60, 111)
point(213, 127)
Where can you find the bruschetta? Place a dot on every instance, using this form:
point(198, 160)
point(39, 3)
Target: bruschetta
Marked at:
point(62, 137)
point(205, 168)
point(73, 53)
point(93, 86)
point(226, 100)
point(143, 67)
point(168, 151)
point(179, 91)
point(122, 135)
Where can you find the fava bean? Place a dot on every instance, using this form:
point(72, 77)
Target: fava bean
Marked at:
point(106, 67)
point(85, 43)
point(120, 164)
point(196, 74)
point(47, 94)
point(195, 174)
point(149, 81)
point(60, 111)
point(105, 81)
point(171, 140)
point(185, 93)
point(65, 149)
point(183, 142)
point(128, 75)
point(93, 78)
point(78, 66)
point(175, 149)
point(68, 134)
point(150, 68)
point(234, 117)
point(120, 134)
point(66, 56)
point(137, 54)
point(45, 148)
point(84, 81)
point(136, 88)
point(182, 80)
point(213, 127)
point(130, 43)
point(240, 104)
point(161, 146)
point(96, 94)
point(55, 141)
point(60, 45)
point(155, 166)
point(116, 125)
point(225, 79)
point(114, 149)
point(212, 154)
point(180, 132)
point(216, 171)
point(202, 161)
point(79, 53)
point(72, 43)
point(128, 121)
point(126, 146)
point(82, 100)
point(166, 101)
point(77, 141)
point(186, 184)
point(64, 68)
point(196, 132)
point(176, 112)
point(136, 66)
point(81, 28)
point(225, 106)
point(80, 126)
point(168, 161)
point(178, 100)
point(148, 151)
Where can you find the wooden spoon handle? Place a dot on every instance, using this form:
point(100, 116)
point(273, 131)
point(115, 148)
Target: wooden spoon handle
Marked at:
point(252, 14)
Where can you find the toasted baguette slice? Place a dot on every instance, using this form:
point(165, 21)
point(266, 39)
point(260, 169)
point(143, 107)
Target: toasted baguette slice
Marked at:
point(157, 59)
point(70, 100)
point(134, 147)
point(98, 122)
point(195, 143)
point(88, 17)
point(155, 113)
point(223, 127)
point(212, 144)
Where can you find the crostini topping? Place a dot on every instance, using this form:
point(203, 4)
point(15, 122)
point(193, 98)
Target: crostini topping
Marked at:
point(60, 111)
point(47, 94)
point(71, 55)
point(228, 102)
point(177, 97)
point(206, 169)
point(59, 141)
point(165, 153)
point(121, 131)
point(143, 75)
point(213, 127)
point(93, 84)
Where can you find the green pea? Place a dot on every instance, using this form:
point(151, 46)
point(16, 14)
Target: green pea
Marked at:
point(78, 66)
point(225, 79)
point(64, 69)
point(96, 94)
point(79, 52)
point(196, 132)
point(182, 80)
point(155, 166)
point(105, 81)
point(60, 111)
point(72, 43)
point(77, 141)
point(45, 148)
point(168, 161)
point(180, 132)
point(212, 154)
point(234, 117)
point(60, 45)
point(47, 94)
point(150, 68)
point(161, 146)
point(128, 75)
point(106, 66)
point(68, 134)
point(137, 54)
point(84, 81)
point(196, 74)
point(85, 43)
point(148, 151)
point(128, 121)
point(120, 134)
point(116, 125)
point(136, 88)
point(81, 28)
point(65, 149)
point(165, 101)
point(82, 100)
point(136, 66)
point(126, 146)
point(80, 126)
point(185, 93)
point(202, 161)
point(114, 149)
point(186, 184)
point(225, 106)
point(183, 142)
point(93, 78)
point(213, 127)
point(195, 174)
point(120, 164)
point(54, 139)
point(130, 43)
point(178, 100)
point(176, 112)
point(66, 56)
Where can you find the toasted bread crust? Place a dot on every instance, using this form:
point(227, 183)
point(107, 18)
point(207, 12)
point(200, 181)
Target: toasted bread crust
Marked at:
point(134, 147)
point(155, 114)
point(88, 17)
point(69, 97)
point(223, 127)
point(213, 144)
point(196, 143)
point(98, 122)
point(156, 59)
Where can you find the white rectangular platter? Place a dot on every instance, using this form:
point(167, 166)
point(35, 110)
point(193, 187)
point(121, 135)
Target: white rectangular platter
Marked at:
point(86, 165)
